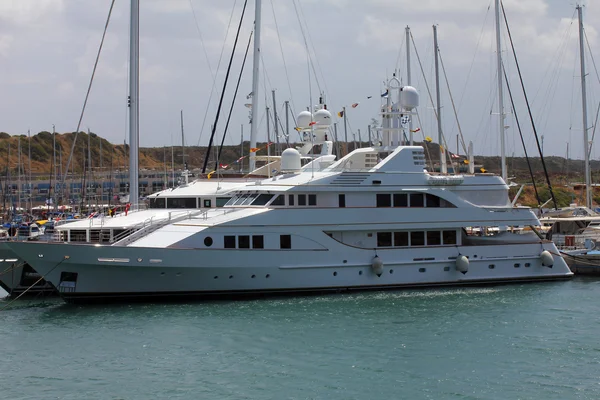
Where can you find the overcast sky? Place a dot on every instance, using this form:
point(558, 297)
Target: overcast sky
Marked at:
point(47, 51)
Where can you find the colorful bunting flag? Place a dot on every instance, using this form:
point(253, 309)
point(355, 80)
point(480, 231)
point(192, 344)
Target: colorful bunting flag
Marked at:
point(223, 166)
point(415, 130)
point(355, 105)
point(210, 174)
point(341, 114)
point(385, 94)
point(254, 150)
point(428, 139)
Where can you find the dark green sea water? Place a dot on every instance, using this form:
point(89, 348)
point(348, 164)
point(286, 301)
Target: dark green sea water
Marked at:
point(530, 341)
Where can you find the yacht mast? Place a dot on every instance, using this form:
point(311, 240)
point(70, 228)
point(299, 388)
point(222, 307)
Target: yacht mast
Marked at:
point(408, 79)
point(134, 49)
point(586, 152)
point(255, 77)
point(443, 169)
point(182, 144)
point(500, 91)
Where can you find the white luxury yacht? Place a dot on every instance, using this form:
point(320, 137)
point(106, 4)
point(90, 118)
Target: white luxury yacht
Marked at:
point(374, 219)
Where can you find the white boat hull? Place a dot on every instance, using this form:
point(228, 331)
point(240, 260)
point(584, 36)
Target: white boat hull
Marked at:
point(87, 272)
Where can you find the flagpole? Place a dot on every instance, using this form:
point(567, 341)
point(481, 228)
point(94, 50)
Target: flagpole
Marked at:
point(408, 79)
point(345, 131)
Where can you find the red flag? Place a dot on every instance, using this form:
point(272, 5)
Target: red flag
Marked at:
point(312, 123)
point(223, 166)
point(254, 150)
point(354, 105)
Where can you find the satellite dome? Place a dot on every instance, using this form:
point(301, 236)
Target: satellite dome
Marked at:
point(290, 161)
point(304, 119)
point(409, 97)
point(322, 119)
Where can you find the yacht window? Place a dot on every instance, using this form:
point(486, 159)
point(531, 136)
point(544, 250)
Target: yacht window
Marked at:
point(244, 242)
point(248, 200)
point(240, 200)
point(449, 237)
point(258, 242)
point(416, 200)
point(312, 199)
point(232, 200)
point(262, 199)
point(400, 200)
point(417, 238)
point(384, 239)
point(384, 200)
point(432, 201)
point(221, 201)
point(157, 202)
point(446, 204)
point(301, 199)
point(342, 200)
point(279, 201)
point(229, 242)
point(290, 200)
point(285, 241)
point(434, 238)
point(400, 239)
point(181, 202)
point(208, 241)
point(207, 203)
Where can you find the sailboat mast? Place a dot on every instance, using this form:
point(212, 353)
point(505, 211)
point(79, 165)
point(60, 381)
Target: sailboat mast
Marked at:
point(408, 79)
point(29, 186)
point(439, 103)
point(586, 151)
point(255, 77)
point(19, 173)
point(182, 143)
point(500, 91)
point(134, 49)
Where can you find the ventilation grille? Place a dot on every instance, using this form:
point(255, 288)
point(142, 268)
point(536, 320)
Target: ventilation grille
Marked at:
point(349, 178)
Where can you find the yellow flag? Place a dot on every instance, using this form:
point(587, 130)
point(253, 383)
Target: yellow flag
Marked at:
point(483, 170)
point(254, 150)
point(428, 139)
point(210, 174)
point(465, 161)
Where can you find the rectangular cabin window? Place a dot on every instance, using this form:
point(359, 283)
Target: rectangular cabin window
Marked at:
point(229, 242)
point(157, 202)
point(232, 200)
point(279, 201)
point(207, 203)
point(181, 202)
point(434, 238)
point(449, 237)
point(301, 199)
point(262, 199)
point(384, 200)
point(400, 200)
point(417, 238)
point(221, 201)
point(240, 199)
point(285, 241)
point(432, 200)
point(290, 200)
point(258, 242)
point(342, 200)
point(416, 200)
point(384, 239)
point(248, 200)
point(446, 204)
point(400, 239)
point(312, 199)
point(243, 242)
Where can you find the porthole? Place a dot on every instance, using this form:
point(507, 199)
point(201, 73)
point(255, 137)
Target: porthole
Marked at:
point(391, 271)
point(446, 268)
point(517, 265)
point(334, 273)
point(162, 273)
point(216, 277)
point(253, 276)
point(230, 276)
point(360, 272)
point(345, 261)
point(267, 276)
point(422, 269)
point(491, 266)
point(527, 265)
point(208, 241)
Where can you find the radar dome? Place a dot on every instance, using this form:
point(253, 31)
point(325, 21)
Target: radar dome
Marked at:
point(304, 119)
point(409, 97)
point(322, 119)
point(290, 161)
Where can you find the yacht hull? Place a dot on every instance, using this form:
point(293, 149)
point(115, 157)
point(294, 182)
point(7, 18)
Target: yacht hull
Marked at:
point(17, 277)
point(84, 273)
